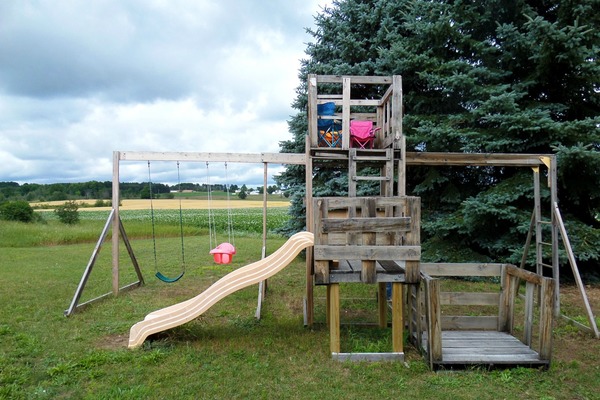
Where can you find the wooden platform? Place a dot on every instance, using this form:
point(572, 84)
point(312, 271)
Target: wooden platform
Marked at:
point(489, 348)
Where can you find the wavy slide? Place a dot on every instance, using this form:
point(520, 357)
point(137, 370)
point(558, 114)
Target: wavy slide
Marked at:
point(251, 274)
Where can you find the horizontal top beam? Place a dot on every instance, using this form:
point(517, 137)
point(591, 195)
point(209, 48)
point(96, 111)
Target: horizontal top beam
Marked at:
point(476, 159)
point(274, 158)
point(363, 80)
point(412, 158)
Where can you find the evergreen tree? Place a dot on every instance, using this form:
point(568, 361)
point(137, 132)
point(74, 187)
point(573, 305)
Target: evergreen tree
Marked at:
point(518, 76)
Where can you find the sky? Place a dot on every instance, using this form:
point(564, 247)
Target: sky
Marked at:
point(80, 79)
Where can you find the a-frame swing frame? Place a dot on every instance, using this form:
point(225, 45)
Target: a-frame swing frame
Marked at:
point(118, 232)
point(75, 304)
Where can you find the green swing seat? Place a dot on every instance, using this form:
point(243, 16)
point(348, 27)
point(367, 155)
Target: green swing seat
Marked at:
point(166, 279)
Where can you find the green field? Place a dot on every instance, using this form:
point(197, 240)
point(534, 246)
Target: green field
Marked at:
point(226, 353)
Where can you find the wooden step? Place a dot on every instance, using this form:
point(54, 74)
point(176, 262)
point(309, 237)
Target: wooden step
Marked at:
point(370, 178)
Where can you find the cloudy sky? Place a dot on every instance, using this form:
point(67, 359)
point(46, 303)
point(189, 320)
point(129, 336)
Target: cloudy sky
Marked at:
point(80, 79)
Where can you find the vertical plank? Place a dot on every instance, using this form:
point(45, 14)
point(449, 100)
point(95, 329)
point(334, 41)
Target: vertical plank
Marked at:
point(402, 168)
point(321, 238)
point(312, 111)
point(328, 306)
point(503, 303)
point(417, 317)
point(265, 204)
point(546, 312)
point(397, 319)
point(382, 304)
point(346, 84)
point(529, 302)
point(413, 209)
point(539, 269)
point(352, 173)
point(368, 210)
point(434, 327)
point(334, 317)
point(397, 110)
point(509, 303)
point(552, 177)
point(389, 165)
point(380, 136)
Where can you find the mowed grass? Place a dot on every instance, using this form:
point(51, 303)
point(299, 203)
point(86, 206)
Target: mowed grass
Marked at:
point(226, 353)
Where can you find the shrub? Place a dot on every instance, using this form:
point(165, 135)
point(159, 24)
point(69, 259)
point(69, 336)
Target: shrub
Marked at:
point(67, 213)
point(19, 210)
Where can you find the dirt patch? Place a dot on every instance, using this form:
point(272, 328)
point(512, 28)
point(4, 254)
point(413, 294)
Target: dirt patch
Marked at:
point(114, 342)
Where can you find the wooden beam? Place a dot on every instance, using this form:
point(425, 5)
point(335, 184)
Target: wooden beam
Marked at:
point(366, 80)
point(412, 253)
point(369, 224)
point(274, 158)
point(474, 159)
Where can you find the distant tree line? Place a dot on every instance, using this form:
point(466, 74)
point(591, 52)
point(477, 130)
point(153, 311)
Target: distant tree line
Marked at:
point(12, 191)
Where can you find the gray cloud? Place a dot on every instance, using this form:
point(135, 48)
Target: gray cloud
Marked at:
point(80, 79)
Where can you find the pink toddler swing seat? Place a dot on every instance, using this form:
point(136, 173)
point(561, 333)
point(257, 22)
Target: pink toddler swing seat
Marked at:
point(362, 134)
point(223, 253)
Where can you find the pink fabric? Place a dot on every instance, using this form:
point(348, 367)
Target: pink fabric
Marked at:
point(361, 129)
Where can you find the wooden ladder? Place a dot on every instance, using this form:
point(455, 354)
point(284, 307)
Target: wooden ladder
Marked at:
point(381, 158)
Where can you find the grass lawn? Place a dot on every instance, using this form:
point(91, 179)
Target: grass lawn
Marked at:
point(226, 353)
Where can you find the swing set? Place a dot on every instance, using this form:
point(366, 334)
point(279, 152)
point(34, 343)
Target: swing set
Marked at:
point(222, 253)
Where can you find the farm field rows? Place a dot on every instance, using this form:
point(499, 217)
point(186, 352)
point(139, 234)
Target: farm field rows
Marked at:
point(173, 204)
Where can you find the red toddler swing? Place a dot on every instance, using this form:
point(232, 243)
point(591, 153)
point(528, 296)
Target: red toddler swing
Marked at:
point(223, 253)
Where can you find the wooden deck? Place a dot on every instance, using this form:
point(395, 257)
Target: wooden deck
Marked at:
point(463, 339)
point(488, 348)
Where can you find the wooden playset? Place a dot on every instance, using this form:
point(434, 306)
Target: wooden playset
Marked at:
point(375, 240)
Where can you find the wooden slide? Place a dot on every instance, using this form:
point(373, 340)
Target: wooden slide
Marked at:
point(251, 274)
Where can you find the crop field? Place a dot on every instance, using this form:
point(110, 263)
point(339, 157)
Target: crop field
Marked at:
point(174, 204)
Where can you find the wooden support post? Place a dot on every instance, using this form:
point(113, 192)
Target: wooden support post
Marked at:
point(397, 319)
point(382, 304)
point(115, 224)
point(434, 323)
point(334, 316)
point(546, 311)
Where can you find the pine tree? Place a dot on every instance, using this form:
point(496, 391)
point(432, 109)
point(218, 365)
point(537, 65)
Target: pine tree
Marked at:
point(486, 76)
